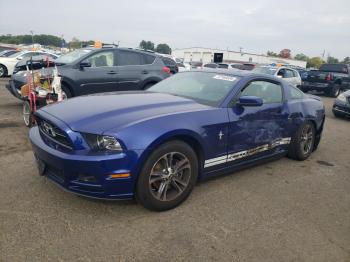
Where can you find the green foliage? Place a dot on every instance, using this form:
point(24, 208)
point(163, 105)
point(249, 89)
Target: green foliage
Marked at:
point(346, 60)
point(315, 62)
point(48, 40)
point(148, 45)
point(271, 53)
point(163, 49)
point(301, 57)
point(332, 60)
point(75, 43)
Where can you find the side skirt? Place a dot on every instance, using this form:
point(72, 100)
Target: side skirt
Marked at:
point(242, 165)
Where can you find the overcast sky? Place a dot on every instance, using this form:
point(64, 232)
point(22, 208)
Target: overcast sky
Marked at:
point(305, 26)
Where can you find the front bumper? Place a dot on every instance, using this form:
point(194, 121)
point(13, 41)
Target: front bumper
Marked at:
point(341, 108)
point(68, 169)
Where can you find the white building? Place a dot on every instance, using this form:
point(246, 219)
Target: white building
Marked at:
point(206, 55)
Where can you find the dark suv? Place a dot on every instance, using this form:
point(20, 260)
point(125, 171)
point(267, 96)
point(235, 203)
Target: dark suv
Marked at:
point(90, 70)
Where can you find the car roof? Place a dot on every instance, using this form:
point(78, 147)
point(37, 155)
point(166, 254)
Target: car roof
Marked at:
point(144, 51)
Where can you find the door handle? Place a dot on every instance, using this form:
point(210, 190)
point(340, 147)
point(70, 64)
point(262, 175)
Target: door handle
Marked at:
point(111, 72)
point(145, 72)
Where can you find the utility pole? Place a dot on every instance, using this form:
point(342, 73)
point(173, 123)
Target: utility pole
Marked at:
point(31, 31)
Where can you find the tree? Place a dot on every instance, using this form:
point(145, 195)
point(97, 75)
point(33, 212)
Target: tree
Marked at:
point(315, 62)
point(75, 43)
point(163, 49)
point(346, 60)
point(148, 45)
point(285, 53)
point(301, 57)
point(332, 60)
point(271, 53)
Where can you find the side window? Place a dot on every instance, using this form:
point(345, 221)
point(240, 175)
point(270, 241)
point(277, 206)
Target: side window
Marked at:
point(295, 93)
point(29, 54)
point(149, 59)
point(269, 92)
point(289, 73)
point(130, 58)
point(105, 58)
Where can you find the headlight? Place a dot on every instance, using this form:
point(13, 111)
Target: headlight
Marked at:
point(98, 142)
point(108, 142)
point(341, 97)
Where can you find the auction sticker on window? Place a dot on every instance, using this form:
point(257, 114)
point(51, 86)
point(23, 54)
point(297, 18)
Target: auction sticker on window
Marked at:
point(225, 78)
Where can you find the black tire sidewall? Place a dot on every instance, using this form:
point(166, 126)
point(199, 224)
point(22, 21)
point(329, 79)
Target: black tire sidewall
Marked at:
point(66, 90)
point(295, 149)
point(143, 194)
point(5, 71)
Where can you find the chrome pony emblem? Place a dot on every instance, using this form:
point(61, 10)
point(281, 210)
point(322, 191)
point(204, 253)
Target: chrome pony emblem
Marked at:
point(48, 129)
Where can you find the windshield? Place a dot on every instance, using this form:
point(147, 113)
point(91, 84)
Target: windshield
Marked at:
point(203, 87)
point(265, 70)
point(72, 56)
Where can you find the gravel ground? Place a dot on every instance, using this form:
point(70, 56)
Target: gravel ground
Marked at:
point(280, 211)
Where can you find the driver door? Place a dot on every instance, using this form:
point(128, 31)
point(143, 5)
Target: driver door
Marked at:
point(101, 76)
point(257, 130)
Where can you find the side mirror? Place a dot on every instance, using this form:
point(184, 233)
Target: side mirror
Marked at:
point(19, 58)
point(84, 64)
point(250, 101)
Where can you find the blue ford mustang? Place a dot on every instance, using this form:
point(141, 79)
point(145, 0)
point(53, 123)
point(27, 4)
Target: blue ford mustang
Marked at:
point(154, 145)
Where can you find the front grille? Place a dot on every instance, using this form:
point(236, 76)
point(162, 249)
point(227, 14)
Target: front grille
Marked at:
point(54, 133)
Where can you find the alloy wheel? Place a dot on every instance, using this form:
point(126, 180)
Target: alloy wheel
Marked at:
point(307, 137)
point(170, 176)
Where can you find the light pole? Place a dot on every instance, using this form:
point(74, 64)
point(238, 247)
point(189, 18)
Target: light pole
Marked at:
point(31, 31)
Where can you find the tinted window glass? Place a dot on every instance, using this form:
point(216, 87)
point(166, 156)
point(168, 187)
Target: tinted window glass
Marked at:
point(148, 59)
point(211, 65)
point(206, 88)
point(100, 59)
point(269, 92)
point(168, 61)
point(295, 93)
point(223, 66)
point(130, 58)
point(289, 73)
point(28, 54)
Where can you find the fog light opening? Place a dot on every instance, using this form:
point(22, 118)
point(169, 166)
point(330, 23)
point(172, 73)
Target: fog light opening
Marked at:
point(86, 178)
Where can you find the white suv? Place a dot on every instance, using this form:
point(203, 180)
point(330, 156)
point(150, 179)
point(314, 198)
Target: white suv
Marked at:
point(7, 64)
point(288, 74)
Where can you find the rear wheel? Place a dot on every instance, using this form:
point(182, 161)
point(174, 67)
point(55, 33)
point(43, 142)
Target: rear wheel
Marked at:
point(334, 91)
point(167, 177)
point(66, 93)
point(303, 141)
point(3, 71)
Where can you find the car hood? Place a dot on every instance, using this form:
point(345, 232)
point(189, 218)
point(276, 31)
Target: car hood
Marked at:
point(101, 112)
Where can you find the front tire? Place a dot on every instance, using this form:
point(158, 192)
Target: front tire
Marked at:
point(302, 142)
point(3, 71)
point(167, 177)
